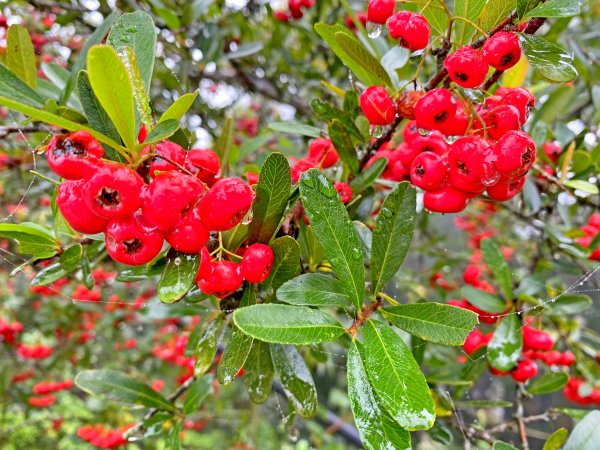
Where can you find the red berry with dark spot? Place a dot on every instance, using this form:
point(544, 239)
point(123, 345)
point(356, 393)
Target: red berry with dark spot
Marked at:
point(502, 50)
point(445, 200)
point(504, 191)
point(377, 106)
point(205, 164)
point(226, 204)
point(222, 280)
point(411, 30)
point(74, 156)
point(519, 97)
point(471, 162)
point(257, 263)
point(129, 244)
point(552, 150)
point(435, 109)
point(71, 203)
point(428, 171)
point(344, 191)
point(466, 67)
point(169, 150)
point(435, 143)
point(379, 11)
point(500, 120)
point(322, 151)
point(534, 339)
point(456, 125)
point(410, 131)
point(525, 370)
point(515, 153)
point(190, 235)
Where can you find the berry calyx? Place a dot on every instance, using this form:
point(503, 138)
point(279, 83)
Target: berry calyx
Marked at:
point(74, 156)
point(466, 67)
point(377, 106)
point(127, 243)
point(257, 263)
point(502, 50)
point(411, 30)
point(225, 204)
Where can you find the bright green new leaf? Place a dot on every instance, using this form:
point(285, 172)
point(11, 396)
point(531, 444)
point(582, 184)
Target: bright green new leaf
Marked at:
point(20, 56)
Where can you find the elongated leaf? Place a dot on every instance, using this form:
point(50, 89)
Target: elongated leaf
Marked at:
point(286, 264)
point(556, 439)
point(356, 50)
point(31, 238)
point(163, 130)
point(20, 56)
point(196, 394)
point(178, 277)
point(296, 380)
point(327, 113)
point(582, 185)
point(571, 304)
point(434, 322)
point(494, 12)
point(258, 372)
point(313, 289)
point(141, 98)
point(469, 9)
point(483, 300)
point(69, 259)
point(549, 60)
point(335, 231)
point(586, 434)
point(206, 349)
point(285, 324)
point(272, 194)
point(13, 88)
point(500, 445)
point(550, 382)
point(556, 8)
point(343, 145)
point(393, 234)
point(223, 145)
point(234, 356)
point(295, 128)
point(179, 107)
point(504, 349)
point(396, 378)
point(495, 260)
point(49, 275)
point(523, 6)
point(119, 386)
point(484, 404)
point(368, 176)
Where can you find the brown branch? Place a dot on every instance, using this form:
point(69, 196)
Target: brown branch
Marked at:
point(519, 416)
point(14, 129)
point(363, 316)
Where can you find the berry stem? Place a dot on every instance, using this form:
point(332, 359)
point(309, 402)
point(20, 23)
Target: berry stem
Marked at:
point(473, 24)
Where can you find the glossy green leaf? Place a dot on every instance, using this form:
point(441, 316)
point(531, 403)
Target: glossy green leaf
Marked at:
point(198, 391)
point(139, 273)
point(335, 232)
point(483, 300)
point(435, 322)
point(163, 130)
point(206, 349)
point(523, 6)
point(393, 234)
point(286, 263)
point(20, 56)
point(570, 303)
point(504, 349)
point(495, 260)
point(178, 277)
point(549, 60)
point(494, 12)
point(500, 445)
point(296, 380)
point(549, 382)
point(586, 434)
point(357, 51)
point(69, 259)
point(258, 372)
point(343, 145)
point(285, 324)
point(556, 440)
point(49, 275)
point(396, 378)
point(15, 89)
point(556, 8)
point(295, 128)
point(179, 107)
point(368, 176)
point(582, 185)
point(224, 143)
point(234, 356)
point(119, 386)
point(470, 10)
point(32, 239)
point(313, 289)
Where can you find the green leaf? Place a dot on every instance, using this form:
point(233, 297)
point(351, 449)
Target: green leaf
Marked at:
point(285, 324)
point(286, 263)
point(556, 439)
point(136, 30)
point(368, 417)
point(392, 235)
point(142, 101)
point(206, 349)
point(483, 300)
point(13, 88)
point(556, 8)
point(313, 289)
point(178, 277)
point(549, 60)
point(295, 128)
point(234, 357)
point(396, 378)
point(484, 404)
point(523, 6)
point(296, 380)
point(196, 394)
point(550, 382)
point(272, 194)
point(368, 176)
point(20, 56)
point(335, 231)
point(32, 239)
point(495, 260)
point(223, 145)
point(500, 445)
point(179, 107)
point(494, 12)
point(469, 9)
point(119, 386)
point(173, 440)
point(433, 322)
point(113, 90)
point(139, 273)
point(582, 185)
point(343, 145)
point(570, 304)
point(163, 130)
point(504, 349)
point(96, 38)
point(258, 372)
point(328, 113)
point(586, 434)
point(356, 50)
point(49, 275)
point(69, 259)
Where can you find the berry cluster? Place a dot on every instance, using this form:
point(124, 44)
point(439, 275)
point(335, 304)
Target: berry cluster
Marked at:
point(9, 331)
point(295, 11)
point(35, 351)
point(578, 391)
point(48, 387)
point(591, 232)
point(103, 437)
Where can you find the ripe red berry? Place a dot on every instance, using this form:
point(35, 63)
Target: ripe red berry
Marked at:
point(410, 131)
point(114, 191)
point(190, 235)
point(515, 153)
point(471, 162)
point(502, 50)
point(225, 204)
point(411, 30)
point(170, 150)
point(428, 171)
point(525, 370)
point(504, 191)
point(74, 156)
point(500, 120)
point(377, 106)
point(205, 164)
point(458, 124)
point(322, 151)
point(435, 108)
point(471, 274)
point(71, 203)
point(205, 265)
point(466, 67)
point(405, 153)
point(344, 191)
point(127, 243)
point(552, 150)
point(434, 142)
point(222, 280)
point(475, 340)
point(295, 7)
point(379, 11)
point(534, 339)
point(519, 97)
point(257, 263)
point(445, 200)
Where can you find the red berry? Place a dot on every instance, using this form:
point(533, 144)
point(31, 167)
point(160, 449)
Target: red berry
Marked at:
point(189, 236)
point(500, 120)
point(344, 190)
point(525, 370)
point(129, 244)
point(257, 263)
point(515, 153)
point(502, 50)
point(411, 30)
point(225, 204)
point(471, 162)
point(295, 7)
point(379, 11)
point(204, 163)
point(458, 124)
point(536, 339)
point(405, 153)
point(322, 151)
point(170, 150)
point(410, 131)
point(552, 150)
point(282, 16)
point(114, 191)
point(222, 280)
point(435, 143)
point(475, 340)
point(377, 106)
point(471, 274)
point(445, 200)
point(74, 156)
point(69, 200)
point(205, 265)
point(428, 171)
point(504, 191)
point(466, 67)
point(435, 109)
point(518, 97)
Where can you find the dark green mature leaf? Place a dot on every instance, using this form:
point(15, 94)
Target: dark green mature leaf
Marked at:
point(12, 87)
point(550, 382)
point(357, 51)
point(313, 289)
point(556, 439)
point(494, 12)
point(483, 300)
point(136, 30)
point(335, 231)
point(178, 277)
point(69, 259)
point(469, 9)
point(285, 324)
point(393, 234)
point(139, 273)
point(586, 434)
point(368, 417)
point(163, 130)
point(258, 372)
point(556, 8)
point(570, 303)
point(234, 356)
point(179, 107)
point(119, 386)
point(272, 194)
point(49, 275)
point(434, 322)
point(296, 380)
point(286, 263)
point(32, 239)
point(368, 176)
point(196, 394)
point(343, 145)
point(206, 349)
point(396, 378)
point(295, 128)
point(20, 56)
point(504, 349)
point(549, 60)
point(523, 6)
point(495, 260)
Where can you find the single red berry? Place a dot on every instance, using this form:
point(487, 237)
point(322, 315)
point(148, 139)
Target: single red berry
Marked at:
point(169, 150)
point(411, 30)
point(566, 359)
point(379, 11)
point(281, 16)
point(534, 339)
point(71, 203)
point(552, 150)
point(502, 50)
point(295, 7)
point(471, 274)
point(500, 120)
point(190, 235)
point(257, 263)
point(74, 156)
point(428, 171)
point(474, 341)
point(400, 172)
point(205, 164)
point(515, 153)
point(128, 244)
point(435, 108)
point(344, 191)
point(504, 191)
point(205, 267)
point(525, 370)
point(594, 220)
point(458, 124)
point(519, 97)
point(223, 279)
point(225, 204)
point(410, 131)
point(114, 191)
point(322, 151)
point(471, 162)
point(466, 67)
point(405, 153)
point(445, 200)
point(377, 106)
point(434, 142)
